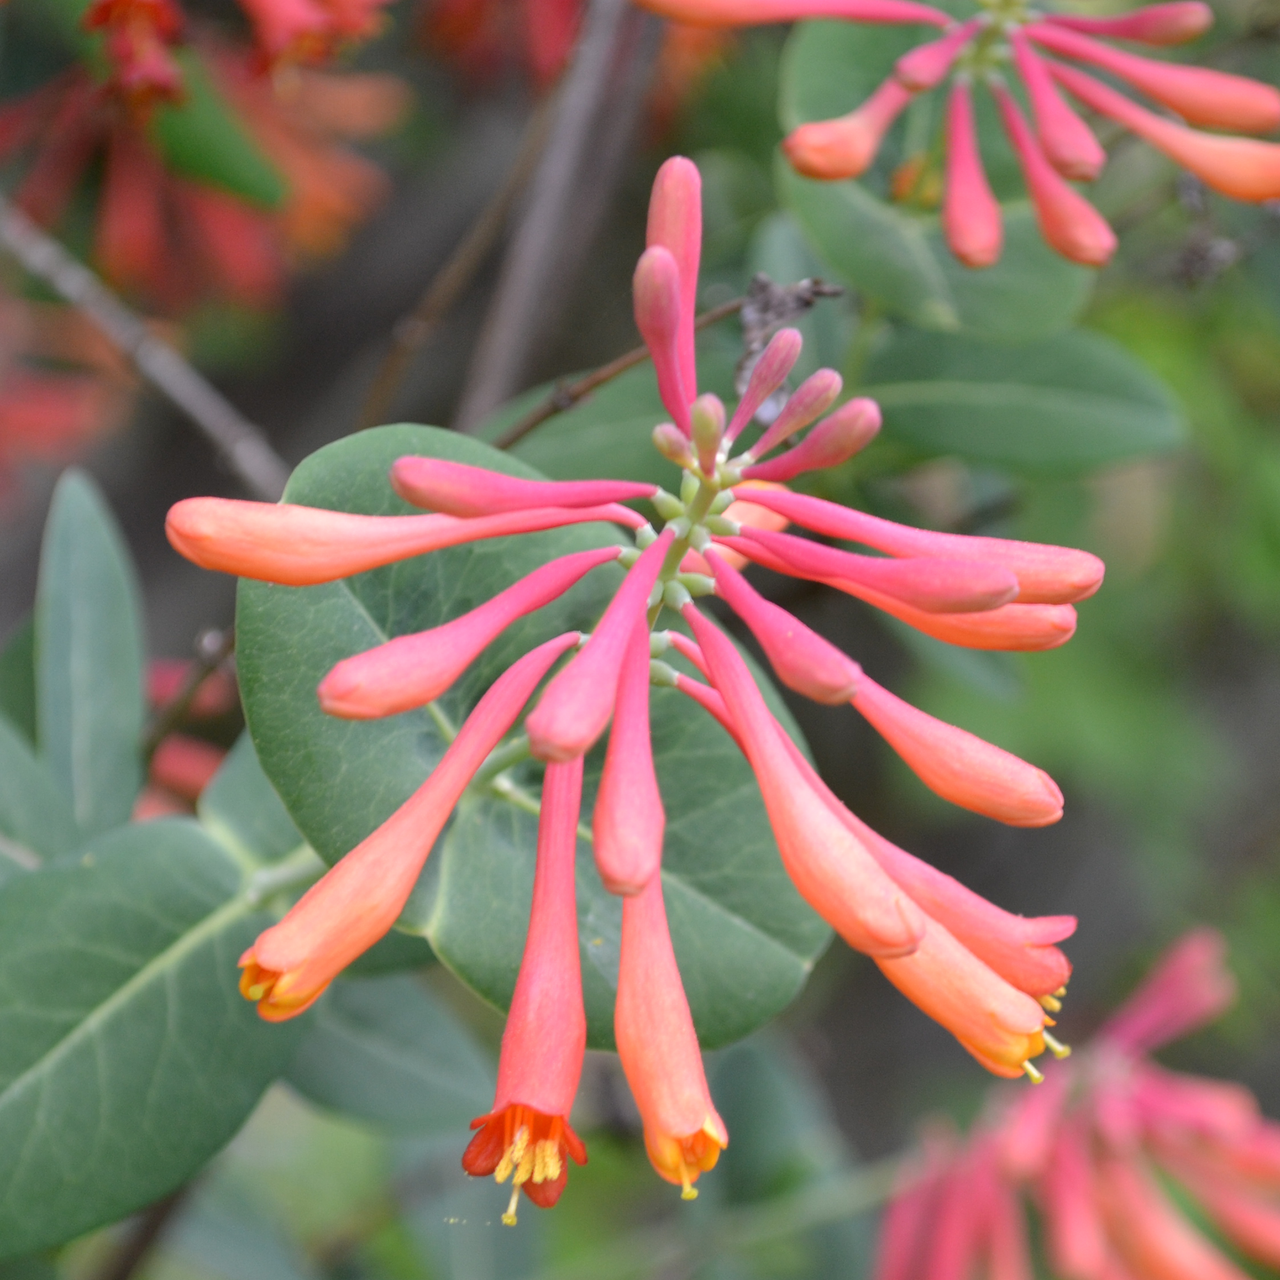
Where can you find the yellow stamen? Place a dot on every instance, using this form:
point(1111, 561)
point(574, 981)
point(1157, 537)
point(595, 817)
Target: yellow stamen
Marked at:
point(1056, 1047)
point(546, 1161)
point(512, 1155)
point(524, 1170)
point(509, 1218)
point(258, 990)
point(1061, 993)
point(1051, 1003)
point(1034, 1074)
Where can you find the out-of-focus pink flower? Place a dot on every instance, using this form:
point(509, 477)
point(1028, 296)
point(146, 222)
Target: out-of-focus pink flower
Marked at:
point(138, 34)
point(1096, 1148)
point(975, 52)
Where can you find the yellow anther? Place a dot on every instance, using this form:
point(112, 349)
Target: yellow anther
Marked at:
point(524, 1170)
point(512, 1156)
point(509, 1218)
point(1061, 993)
point(1034, 1074)
point(258, 990)
point(1056, 1047)
point(546, 1161)
point(1052, 1003)
point(687, 1190)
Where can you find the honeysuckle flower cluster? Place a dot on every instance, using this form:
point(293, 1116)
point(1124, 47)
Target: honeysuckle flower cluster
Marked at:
point(990, 977)
point(1096, 1153)
point(1056, 145)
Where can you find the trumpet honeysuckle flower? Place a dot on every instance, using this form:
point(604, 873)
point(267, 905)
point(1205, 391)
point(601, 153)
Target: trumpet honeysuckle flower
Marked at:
point(355, 904)
point(658, 1047)
point(990, 977)
point(1096, 1151)
point(527, 1136)
point(977, 52)
point(138, 35)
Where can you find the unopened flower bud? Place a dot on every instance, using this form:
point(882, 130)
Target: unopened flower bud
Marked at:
point(670, 441)
point(707, 416)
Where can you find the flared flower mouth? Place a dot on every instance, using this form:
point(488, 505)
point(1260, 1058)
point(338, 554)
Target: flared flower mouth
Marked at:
point(680, 1160)
point(530, 1148)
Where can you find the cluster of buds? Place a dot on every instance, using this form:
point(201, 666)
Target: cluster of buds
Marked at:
point(990, 977)
point(1008, 34)
point(1096, 1151)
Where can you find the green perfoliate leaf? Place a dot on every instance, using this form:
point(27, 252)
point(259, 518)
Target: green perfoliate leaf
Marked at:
point(18, 679)
point(1066, 404)
point(744, 938)
point(89, 661)
point(127, 1055)
point(388, 1051)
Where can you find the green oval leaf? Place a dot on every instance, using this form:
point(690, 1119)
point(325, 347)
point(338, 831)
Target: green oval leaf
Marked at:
point(1070, 403)
point(127, 1056)
point(388, 1051)
point(89, 698)
point(743, 936)
point(895, 255)
point(35, 817)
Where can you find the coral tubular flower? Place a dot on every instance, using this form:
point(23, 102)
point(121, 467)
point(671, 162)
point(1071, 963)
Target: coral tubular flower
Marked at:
point(832, 442)
point(299, 546)
point(1158, 24)
point(628, 821)
point(800, 658)
point(1069, 144)
point(412, 670)
point(527, 1136)
point(767, 374)
point(1046, 574)
point(1068, 222)
point(675, 224)
point(730, 13)
point(1242, 168)
point(576, 705)
point(658, 1047)
point(353, 905)
point(812, 398)
point(926, 66)
point(957, 765)
point(459, 490)
point(138, 33)
point(656, 289)
point(934, 585)
point(1099, 1149)
point(845, 148)
point(970, 212)
point(832, 870)
point(1200, 95)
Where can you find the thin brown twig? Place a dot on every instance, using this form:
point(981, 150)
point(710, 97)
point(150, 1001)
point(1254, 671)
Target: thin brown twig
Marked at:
point(243, 446)
point(567, 394)
point(415, 328)
point(212, 650)
point(143, 1236)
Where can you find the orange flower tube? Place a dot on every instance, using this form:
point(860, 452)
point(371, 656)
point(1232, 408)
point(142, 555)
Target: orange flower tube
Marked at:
point(527, 1136)
point(658, 1046)
point(845, 147)
point(353, 905)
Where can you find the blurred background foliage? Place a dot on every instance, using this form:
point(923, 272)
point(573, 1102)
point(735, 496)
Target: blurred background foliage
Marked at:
point(1161, 719)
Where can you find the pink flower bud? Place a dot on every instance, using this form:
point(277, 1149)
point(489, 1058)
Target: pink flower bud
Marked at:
point(926, 66)
point(1200, 95)
point(845, 147)
point(1189, 987)
point(831, 869)
point(729, 13)
point(576, 705)
point(1068, 222)
point(958, 766)
point(658, 1047)
point(707, 418)
point(184, 765)
point(526, 1136)
point(767, 375)
point(1160, 24)
point(800, 658)
point(460, 490)
point(673, 444)
point(656, 293)
point(301, 546)
point(675, 223)
point(353, 905)
point(629, 820)
point(810, 400)
point(970, 212)
point(1076, 1239)
point(832, 442)
point(1068, 142)
point(1046, 574)
point(1242, 168)
point(1015, 627)
point(412, 670)
point(937, 586)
